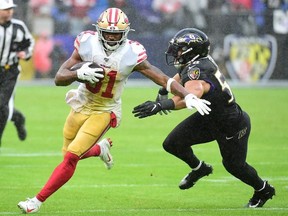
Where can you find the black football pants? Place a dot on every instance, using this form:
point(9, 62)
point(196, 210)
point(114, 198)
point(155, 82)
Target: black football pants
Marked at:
point(8, 79)
point(232, 144)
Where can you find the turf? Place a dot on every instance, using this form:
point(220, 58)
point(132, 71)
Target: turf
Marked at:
point(144, 180)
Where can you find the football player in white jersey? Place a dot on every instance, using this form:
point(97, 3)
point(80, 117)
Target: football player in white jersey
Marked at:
point(96, 103)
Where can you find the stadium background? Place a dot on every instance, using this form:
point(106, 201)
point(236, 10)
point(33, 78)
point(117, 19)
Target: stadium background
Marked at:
point(145, 178)
point(55, 23)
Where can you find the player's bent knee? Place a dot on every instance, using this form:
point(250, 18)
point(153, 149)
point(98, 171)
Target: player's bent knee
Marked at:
point(167, 146)
point(71, 160)
point(77, 152)
point(64, 151)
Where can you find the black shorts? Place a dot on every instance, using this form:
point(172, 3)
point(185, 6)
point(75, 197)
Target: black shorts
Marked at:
point(232, 142)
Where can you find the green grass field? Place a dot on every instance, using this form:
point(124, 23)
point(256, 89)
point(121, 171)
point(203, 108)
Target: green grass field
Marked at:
point(144, 180)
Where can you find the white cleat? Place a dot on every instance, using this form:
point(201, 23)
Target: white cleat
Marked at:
point(28, 206)
point(105, 155)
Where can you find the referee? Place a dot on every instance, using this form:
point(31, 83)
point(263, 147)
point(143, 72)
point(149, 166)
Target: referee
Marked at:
point(16, 42)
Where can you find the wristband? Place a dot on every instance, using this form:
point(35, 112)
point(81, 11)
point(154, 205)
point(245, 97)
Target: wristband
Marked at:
point(163, 91)
point(168, 86)
point(167, 104)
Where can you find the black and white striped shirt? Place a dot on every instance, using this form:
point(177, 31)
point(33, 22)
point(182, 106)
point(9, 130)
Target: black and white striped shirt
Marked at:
point(14, 37)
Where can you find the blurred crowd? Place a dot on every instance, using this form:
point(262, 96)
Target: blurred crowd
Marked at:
point(55, 23)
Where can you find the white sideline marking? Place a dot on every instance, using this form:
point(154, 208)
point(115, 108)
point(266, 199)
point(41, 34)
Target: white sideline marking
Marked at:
point(69, 186)
point(30, 154)
point(158, 210)
point(181, 210)
point(118, 185)
point(96, 186)
point(41, 154)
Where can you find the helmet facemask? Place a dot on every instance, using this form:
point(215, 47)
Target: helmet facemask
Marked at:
point(186, 46)
point(178, 54)
point(111, 45)
point(113, 20)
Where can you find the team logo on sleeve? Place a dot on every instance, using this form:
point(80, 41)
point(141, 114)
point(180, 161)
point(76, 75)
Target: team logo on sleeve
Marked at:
point(193, 73)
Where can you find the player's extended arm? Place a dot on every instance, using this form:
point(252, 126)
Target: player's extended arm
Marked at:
point(163, 95)
point(150, 108)
point(156, 75)
point(198, 88)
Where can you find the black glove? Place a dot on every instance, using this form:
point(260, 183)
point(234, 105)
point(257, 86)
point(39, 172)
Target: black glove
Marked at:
point(150, 108)
point(146, 109)
point(162, 95)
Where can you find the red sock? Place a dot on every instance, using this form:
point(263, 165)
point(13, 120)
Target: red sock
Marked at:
point(62, 173)
point(94, 151)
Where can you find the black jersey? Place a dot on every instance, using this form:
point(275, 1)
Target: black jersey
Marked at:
point(224, 108)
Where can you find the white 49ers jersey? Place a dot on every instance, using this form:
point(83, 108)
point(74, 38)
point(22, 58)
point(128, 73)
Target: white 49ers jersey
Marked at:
point(104, 96)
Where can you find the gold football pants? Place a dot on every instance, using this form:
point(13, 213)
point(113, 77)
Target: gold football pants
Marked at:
point(81, 131)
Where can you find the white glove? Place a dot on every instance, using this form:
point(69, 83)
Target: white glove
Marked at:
point(92, 75)
point(200, 104)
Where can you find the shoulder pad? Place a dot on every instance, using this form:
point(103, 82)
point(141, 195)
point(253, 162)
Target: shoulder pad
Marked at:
point(82, 37)
point(138, 49)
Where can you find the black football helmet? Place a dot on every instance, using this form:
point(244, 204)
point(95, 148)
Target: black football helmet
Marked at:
point(188, 44)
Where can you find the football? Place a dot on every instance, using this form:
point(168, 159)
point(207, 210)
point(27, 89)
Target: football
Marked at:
point(79, 65)
point(92, 65)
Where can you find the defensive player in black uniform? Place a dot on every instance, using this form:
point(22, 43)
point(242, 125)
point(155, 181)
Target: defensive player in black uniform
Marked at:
point(227, 123)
